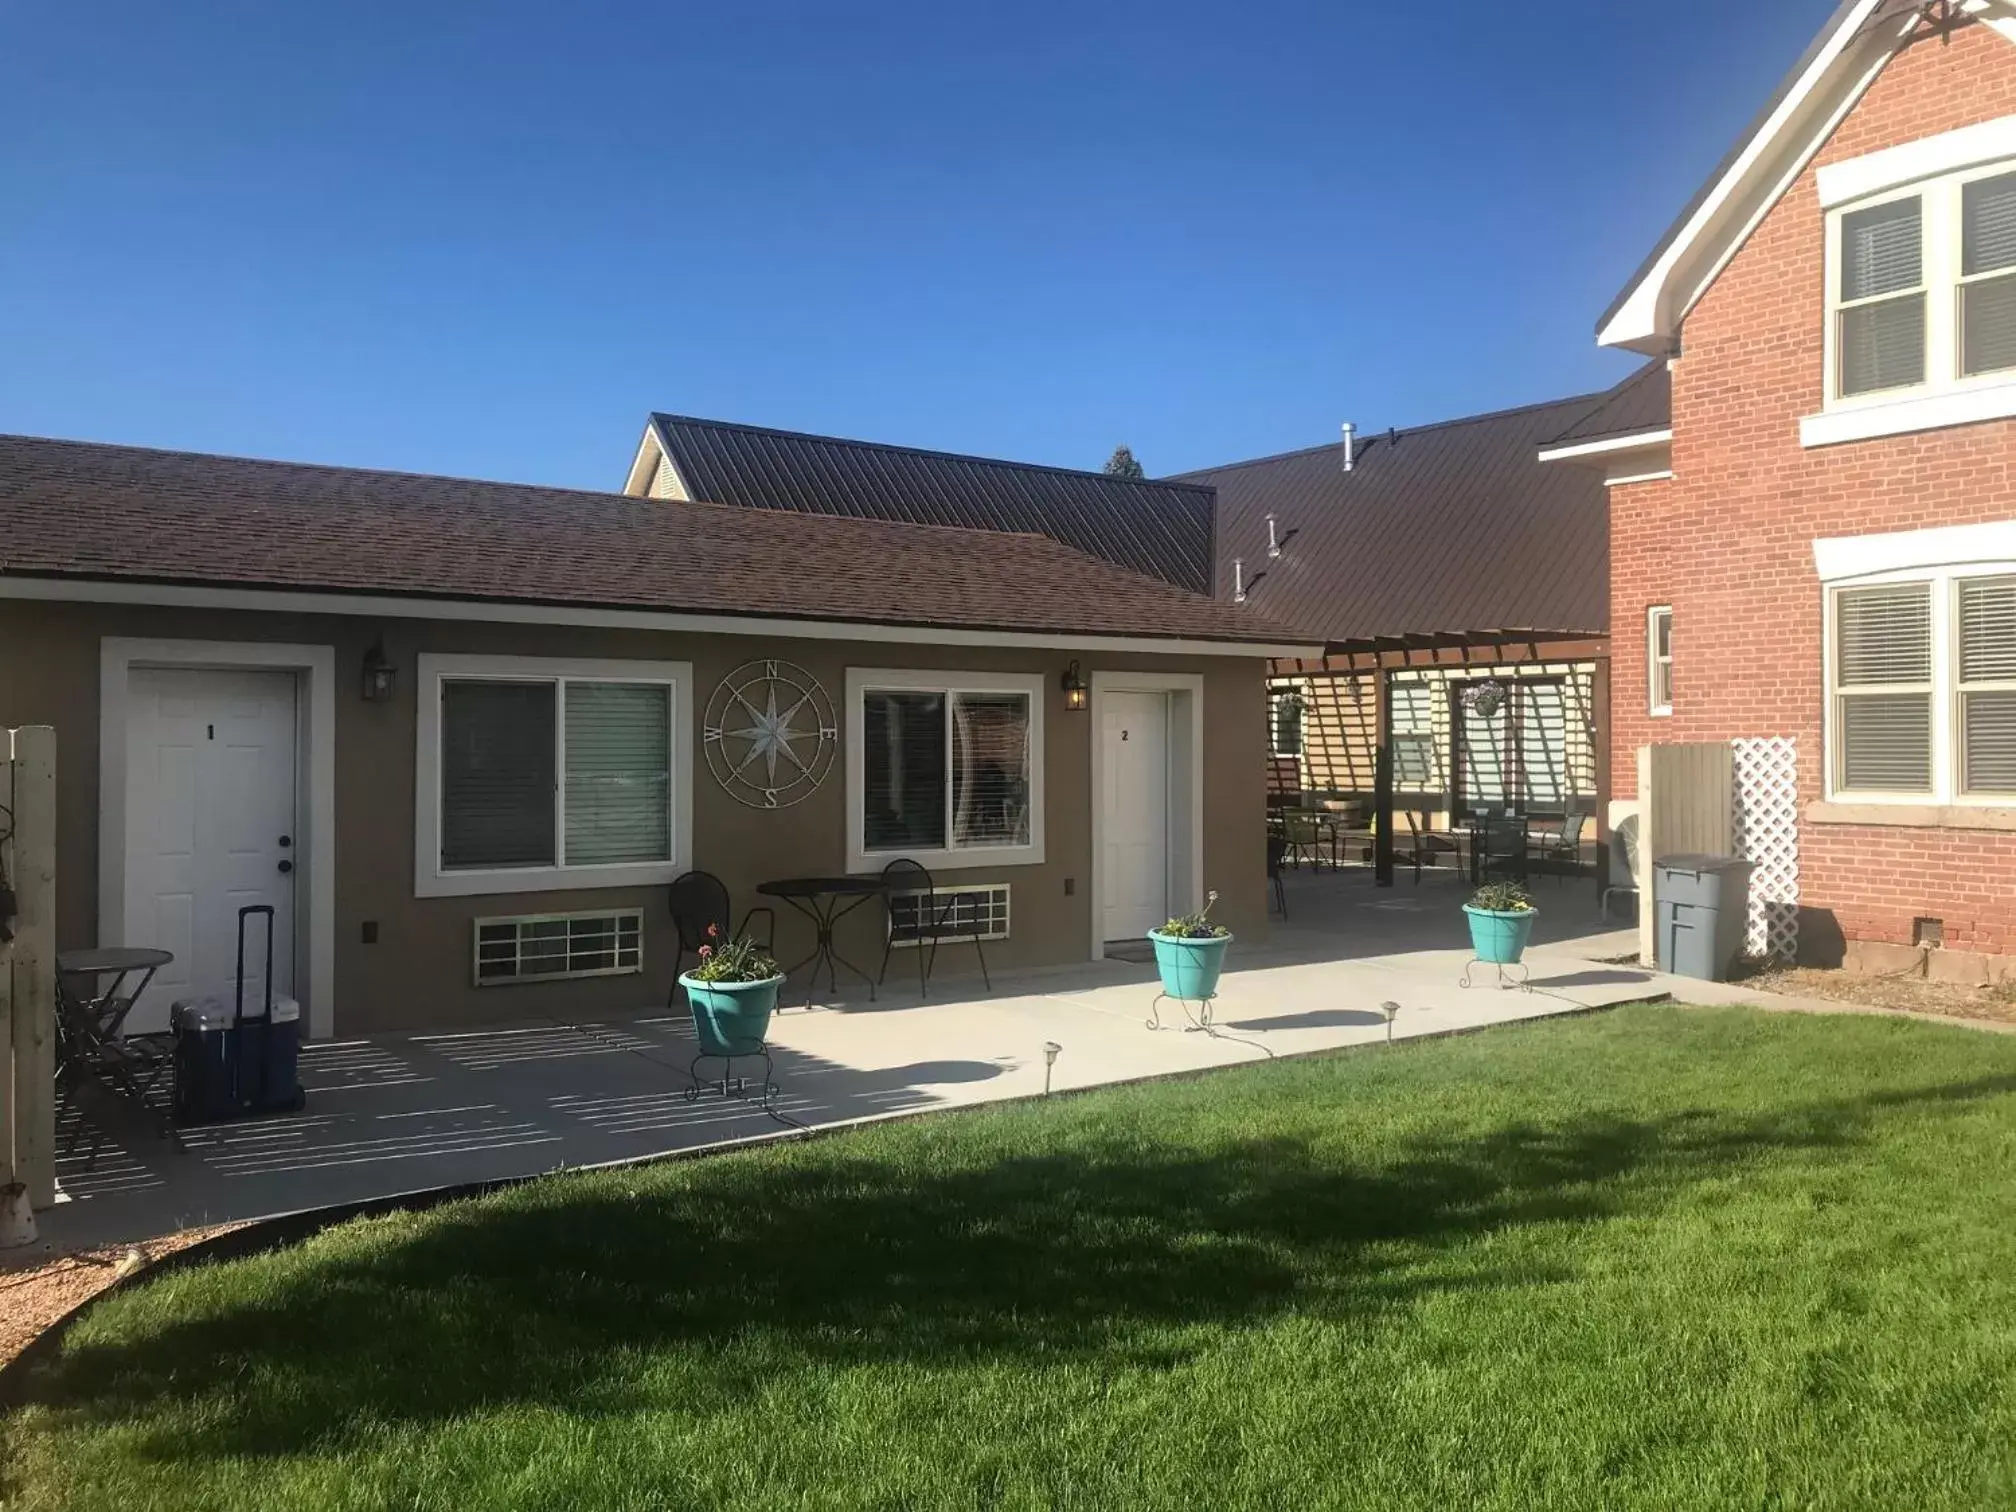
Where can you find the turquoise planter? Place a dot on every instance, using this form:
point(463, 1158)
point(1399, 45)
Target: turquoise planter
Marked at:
point(731, 1018)
point(1499, 937)
point(1189, 967)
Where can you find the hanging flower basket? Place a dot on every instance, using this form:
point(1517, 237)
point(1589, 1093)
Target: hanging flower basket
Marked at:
point(1484, 697)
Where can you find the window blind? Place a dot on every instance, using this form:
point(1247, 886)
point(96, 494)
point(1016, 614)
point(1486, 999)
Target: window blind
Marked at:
point(903, 771)
point(1988, 224)
point(1882, 345)
point(1988, 655)
point(496, 774)
point(619, 773)
point(1886, 742)
point(990, 768)
point(1885, 635)
point(1881, 250)
point(1885, 641)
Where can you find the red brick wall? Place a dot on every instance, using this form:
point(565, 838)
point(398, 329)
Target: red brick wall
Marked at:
point(1728, 540)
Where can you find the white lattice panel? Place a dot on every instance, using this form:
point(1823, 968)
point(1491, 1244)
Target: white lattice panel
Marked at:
point(1767, 835)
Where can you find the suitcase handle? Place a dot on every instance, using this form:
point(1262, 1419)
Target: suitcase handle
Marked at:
point(238, 1010)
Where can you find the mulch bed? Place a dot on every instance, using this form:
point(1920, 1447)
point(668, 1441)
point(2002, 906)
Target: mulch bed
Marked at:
point(37, 1288)
point(1912, 994)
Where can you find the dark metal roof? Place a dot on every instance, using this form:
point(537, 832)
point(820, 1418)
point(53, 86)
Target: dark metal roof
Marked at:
point(1163, 529)
point(78, 510)
point(1454, 528)
point(1643, 402)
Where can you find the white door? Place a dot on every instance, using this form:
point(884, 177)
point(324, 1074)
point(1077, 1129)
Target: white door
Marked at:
point(1134, 813)
point(210, 828)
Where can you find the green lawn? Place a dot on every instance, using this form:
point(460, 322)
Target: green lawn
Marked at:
point(1658, 1258)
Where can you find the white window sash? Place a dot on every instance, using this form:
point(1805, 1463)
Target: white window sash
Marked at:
point(951, 856)
point(1655, 664)
point(431, 879)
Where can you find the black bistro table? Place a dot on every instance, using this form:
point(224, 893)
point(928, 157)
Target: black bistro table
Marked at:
point(826, 901)
point(129, 969)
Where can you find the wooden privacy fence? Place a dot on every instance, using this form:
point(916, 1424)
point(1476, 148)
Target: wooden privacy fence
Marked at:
point(28, 962)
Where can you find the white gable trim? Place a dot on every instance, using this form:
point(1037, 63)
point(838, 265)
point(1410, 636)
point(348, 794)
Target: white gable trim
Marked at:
point(644, 466)
point(1842, 67)
point(1635, 441)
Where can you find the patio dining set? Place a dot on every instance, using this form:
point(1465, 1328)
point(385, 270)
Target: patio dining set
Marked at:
point(1486, 844)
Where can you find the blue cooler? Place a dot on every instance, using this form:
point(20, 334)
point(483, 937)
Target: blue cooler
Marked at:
point(233, 1058)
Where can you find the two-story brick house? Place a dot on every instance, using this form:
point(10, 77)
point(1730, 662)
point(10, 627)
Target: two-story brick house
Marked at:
point(1820, 545)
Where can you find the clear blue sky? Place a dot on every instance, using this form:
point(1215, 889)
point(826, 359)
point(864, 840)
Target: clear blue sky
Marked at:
point(488, 238)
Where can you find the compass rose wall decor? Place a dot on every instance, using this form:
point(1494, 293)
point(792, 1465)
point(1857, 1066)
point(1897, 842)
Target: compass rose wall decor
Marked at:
point(770, 733)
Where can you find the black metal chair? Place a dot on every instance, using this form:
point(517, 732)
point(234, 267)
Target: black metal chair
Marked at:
point(1498, 849)
point(1277, 853)
point(930, 921)
point(699, 901)
point(132, 1066)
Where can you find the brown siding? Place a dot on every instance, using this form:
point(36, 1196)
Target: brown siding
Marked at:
point(1728, 540)
point(418, 972)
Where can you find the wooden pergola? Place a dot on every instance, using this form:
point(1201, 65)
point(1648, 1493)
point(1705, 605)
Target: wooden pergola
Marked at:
point(1380, 656)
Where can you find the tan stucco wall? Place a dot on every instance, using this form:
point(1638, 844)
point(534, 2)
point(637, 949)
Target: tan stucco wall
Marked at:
point(417, 974)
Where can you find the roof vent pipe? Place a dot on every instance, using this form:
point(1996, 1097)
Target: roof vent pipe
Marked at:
point(1238, 580)
point(1350, 445)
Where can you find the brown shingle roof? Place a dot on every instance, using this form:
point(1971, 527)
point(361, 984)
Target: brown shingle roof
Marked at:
point(1148, 525)
point(1449, 528)
point(83, 510)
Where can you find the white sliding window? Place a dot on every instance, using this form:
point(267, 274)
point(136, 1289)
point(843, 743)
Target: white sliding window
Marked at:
point(536, 774)
point(944, 768)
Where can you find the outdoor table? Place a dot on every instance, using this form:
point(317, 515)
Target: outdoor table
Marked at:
point(826, 901)
point(108, 1006)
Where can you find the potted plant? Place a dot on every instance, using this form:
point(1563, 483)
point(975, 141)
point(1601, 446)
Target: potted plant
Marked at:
point(1190, 952)
point(732, 993)
point(1501, 922)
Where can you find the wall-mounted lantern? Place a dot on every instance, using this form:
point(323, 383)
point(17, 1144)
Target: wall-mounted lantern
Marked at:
point(381, 678)
point(1076, 695)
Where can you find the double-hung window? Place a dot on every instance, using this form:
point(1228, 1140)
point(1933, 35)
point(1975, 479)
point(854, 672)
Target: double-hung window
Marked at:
point(535, 774)
point(1659, 659)
point(1922, 290)
point(1922, 702)
point(944, 768)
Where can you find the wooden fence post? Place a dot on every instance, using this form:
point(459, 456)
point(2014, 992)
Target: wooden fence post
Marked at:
point(31, 959)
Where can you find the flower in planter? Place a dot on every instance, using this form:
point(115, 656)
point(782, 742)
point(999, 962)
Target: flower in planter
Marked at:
point(1197, 926)
point(739, 960)
point(1502, 897)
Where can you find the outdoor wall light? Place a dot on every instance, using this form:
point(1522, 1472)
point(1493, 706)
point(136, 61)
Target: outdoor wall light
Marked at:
point(380, 676)
point(1076, 695)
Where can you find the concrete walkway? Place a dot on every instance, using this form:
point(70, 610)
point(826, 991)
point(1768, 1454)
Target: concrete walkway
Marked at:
point(413, 1112)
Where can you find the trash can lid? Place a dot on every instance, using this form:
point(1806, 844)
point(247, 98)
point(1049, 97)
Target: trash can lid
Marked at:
point(1701, 863)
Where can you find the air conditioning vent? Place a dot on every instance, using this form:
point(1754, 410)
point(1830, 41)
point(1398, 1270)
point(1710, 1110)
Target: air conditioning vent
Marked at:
point(973, 913)
point(554, 947)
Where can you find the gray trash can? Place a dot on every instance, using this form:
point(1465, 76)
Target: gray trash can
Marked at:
point(1704, 906)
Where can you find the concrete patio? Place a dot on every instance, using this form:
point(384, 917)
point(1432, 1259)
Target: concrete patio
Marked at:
point(409, 1113)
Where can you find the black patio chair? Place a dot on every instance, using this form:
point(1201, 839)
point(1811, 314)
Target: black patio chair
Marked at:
point(1277, 853)
point(1499, 849)
point(699, 900)
point(89, 1047)
point(934, 922)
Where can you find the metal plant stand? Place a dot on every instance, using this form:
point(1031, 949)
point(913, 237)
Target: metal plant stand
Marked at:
point(1199, 1022)
point(731, 1085)
point(1504, 980)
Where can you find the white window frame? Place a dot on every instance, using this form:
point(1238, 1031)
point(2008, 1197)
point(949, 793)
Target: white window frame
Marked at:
point(1653, 661)
point(431, 881)
point(864, 680)
point(1946, 753)
point(1944, 397)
